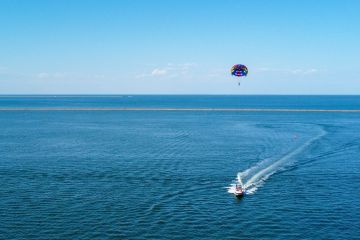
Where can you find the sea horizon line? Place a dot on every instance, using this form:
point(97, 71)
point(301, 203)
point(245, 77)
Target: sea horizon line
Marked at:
point(167, 94)
point(184, 109)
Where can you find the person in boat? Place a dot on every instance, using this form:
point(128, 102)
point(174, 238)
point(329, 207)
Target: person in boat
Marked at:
point(238, 188)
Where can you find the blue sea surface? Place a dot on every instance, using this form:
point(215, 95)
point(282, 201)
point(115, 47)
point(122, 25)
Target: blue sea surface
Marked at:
point(167, 174)
point(182, 101)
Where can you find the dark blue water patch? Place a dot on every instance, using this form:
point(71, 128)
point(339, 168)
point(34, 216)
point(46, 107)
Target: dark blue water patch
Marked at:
point(183, 101)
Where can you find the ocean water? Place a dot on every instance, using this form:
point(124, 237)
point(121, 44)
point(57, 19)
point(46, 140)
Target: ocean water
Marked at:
point(168, 174)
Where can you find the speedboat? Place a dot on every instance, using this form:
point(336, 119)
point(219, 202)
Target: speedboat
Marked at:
point(239, 192)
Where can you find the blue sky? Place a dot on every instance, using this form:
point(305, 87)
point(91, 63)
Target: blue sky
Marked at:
point(179, 46)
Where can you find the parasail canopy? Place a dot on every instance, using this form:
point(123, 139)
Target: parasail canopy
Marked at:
point(239, 70)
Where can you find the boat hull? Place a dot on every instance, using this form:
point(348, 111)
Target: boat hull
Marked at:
point(239, 195)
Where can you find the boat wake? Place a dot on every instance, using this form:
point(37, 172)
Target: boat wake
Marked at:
point(254, 177)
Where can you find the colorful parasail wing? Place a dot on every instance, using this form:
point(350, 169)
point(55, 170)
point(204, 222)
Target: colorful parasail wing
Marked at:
point(239, 70)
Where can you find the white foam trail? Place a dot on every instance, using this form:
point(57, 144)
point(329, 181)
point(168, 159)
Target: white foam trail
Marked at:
point(231, 189)
point(240, 181)
point(254, 177)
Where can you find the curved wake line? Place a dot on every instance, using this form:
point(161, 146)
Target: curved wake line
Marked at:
point(252, 178)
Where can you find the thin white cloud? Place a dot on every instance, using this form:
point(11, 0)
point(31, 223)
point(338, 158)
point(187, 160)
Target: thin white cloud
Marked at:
point(159, 72)
point(66, 75)
point(311, 71)
point(171, 70)
point(46, 75)
point(297, 71)
point(43, 75)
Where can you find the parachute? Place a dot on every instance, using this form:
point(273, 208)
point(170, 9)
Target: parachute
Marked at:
point(239, 70)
